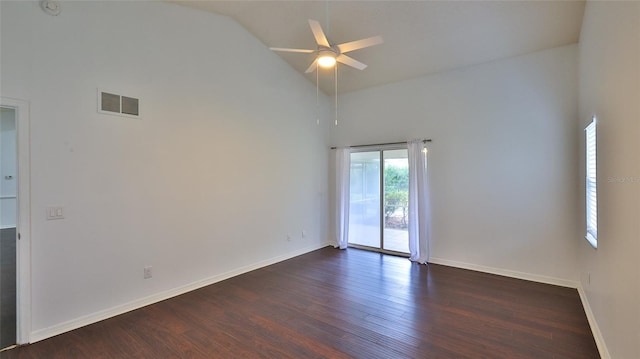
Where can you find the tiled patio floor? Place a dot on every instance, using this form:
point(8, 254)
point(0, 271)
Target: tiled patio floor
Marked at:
point(394, 239)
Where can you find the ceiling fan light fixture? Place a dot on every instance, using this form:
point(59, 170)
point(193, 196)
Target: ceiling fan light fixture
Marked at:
point(326, 59)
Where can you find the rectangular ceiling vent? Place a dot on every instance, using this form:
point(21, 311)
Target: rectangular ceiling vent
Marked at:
point(111, 103)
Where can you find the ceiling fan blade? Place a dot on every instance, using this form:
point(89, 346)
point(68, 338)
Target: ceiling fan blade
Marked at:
point(351, 62)
point(312, 67)
point(305, 51)
point(321, 39)
point(360, 44)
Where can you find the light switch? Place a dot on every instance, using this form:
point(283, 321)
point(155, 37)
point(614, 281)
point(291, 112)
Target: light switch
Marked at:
point(55, 212)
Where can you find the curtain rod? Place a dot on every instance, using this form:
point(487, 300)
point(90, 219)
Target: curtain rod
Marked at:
point(382, 144)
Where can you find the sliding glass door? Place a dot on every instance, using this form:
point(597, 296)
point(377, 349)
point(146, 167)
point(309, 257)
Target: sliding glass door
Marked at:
point(364, 197)
point(396, 200)
point(378, 207)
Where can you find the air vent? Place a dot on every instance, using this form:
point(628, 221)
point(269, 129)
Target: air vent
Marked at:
point(110, 102)
point(113, 104)
point(129, 106)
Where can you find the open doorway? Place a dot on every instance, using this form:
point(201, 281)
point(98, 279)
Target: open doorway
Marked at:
point(8, 224)
point(15, 228)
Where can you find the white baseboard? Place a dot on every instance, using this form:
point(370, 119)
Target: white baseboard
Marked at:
point(136, 304)
point(507, 273)
point(57, 329)
point(597, 335)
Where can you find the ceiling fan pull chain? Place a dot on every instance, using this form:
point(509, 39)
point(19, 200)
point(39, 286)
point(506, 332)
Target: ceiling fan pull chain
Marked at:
point(317, 96)
point(336, 90)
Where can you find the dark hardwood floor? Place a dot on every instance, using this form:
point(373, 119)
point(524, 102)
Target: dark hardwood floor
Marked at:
point(343, 304)
point(7, 287)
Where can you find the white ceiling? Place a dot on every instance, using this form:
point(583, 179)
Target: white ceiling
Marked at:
point(420, 37)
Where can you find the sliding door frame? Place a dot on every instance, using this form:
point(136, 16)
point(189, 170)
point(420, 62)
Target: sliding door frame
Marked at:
point(380, 149)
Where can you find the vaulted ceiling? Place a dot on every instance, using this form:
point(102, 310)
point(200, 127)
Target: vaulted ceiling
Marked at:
point(420, 37)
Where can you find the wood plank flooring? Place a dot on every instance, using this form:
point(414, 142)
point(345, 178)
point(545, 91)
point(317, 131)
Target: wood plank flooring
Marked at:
point(7, 287)
point(343, 304)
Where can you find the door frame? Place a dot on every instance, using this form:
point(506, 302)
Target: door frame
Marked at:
point(23, 220)
point(380, 149)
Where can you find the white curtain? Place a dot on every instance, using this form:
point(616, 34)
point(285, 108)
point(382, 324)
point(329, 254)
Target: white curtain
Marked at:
point(419, 211)
point(343, 169)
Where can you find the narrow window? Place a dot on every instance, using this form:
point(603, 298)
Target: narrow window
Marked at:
point(591, 187)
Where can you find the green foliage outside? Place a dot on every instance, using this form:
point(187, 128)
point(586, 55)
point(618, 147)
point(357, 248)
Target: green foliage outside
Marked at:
point(396, 195)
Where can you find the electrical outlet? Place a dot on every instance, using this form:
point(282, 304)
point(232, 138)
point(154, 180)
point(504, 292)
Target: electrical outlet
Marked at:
point(304, 233)
point(148, 272)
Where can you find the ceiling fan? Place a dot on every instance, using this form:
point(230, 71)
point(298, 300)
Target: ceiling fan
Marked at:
point(329, 54)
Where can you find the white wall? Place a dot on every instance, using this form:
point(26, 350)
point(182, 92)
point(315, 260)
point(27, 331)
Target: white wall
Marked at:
point(226, 161)
point(610, 88)
point(502, 162)
point(8, 167)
